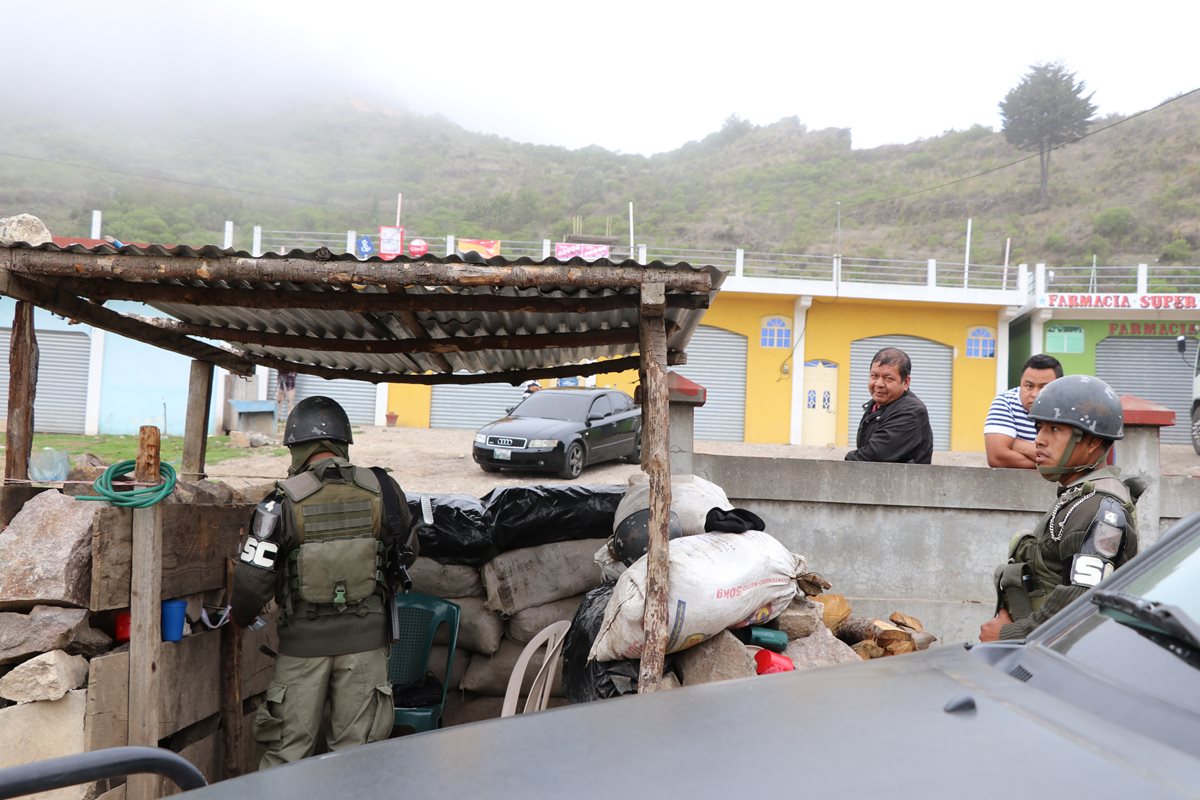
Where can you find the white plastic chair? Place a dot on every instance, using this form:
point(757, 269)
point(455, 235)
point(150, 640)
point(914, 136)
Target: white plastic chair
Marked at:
point(552, 637)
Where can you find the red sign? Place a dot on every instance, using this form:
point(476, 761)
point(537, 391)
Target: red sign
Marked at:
point(391, 242)
point(1152, 328)
point(1152, 301)
point(565, 251)
point(418, 248)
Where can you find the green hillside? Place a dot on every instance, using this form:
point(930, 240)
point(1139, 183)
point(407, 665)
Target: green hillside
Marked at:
point(1128, 194)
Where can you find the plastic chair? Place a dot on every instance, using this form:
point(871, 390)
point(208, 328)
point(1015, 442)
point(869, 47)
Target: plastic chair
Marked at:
point(552, 637)
point(419, 616)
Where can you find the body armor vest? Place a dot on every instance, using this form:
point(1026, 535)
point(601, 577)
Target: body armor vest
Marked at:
point(335, 514)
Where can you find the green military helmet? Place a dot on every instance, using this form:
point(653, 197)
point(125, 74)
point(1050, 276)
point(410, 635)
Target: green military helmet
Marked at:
point(1083, 402)
point(317, 417)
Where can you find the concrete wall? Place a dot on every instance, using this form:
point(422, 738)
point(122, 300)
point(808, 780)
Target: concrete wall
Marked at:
point(895, 537)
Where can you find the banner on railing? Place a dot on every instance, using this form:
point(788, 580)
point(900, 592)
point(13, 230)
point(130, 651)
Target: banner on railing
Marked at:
point(391, 242)
point(589, 252)
point(485, 247)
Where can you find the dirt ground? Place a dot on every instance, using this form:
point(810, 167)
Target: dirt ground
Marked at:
point(430, 460)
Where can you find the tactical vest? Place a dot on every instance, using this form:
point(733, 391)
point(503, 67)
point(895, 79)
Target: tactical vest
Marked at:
point(335, 518)
point(1024, 583)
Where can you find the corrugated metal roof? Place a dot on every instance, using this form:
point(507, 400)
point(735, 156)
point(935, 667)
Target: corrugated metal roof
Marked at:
point(220, 295)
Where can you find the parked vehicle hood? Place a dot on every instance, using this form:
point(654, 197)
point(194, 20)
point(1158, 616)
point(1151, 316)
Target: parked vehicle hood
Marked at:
point(879, 728)
point(531, 428)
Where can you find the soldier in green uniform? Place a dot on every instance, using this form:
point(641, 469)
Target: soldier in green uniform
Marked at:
point(322, 545)
point(1090, 531)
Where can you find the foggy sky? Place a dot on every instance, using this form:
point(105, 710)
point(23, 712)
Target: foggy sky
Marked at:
point(641, 77)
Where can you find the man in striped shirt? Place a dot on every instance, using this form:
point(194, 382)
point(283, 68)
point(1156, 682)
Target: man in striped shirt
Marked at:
point(1008, 432)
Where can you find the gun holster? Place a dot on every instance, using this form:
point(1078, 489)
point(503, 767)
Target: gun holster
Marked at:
point(1014, 581)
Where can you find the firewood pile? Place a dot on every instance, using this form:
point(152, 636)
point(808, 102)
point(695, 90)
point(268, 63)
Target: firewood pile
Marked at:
point(874, 638)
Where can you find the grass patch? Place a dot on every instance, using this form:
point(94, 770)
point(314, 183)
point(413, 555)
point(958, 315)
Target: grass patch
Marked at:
point(113, 448)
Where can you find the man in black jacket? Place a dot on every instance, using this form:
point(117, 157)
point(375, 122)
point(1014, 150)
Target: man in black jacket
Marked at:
point(895, 424)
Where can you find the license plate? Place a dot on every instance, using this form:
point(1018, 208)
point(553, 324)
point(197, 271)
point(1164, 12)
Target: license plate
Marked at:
point(502, 455)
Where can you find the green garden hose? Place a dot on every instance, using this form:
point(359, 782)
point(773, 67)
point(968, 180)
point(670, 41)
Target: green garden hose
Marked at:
point(134, 498)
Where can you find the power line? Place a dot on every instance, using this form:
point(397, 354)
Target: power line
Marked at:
point(1023, 159)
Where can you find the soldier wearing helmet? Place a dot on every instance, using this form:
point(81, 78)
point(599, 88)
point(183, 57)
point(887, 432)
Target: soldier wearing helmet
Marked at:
point(324, 544)
point(1090, 531)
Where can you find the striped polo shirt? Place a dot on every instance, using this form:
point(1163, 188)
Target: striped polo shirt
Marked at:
point(1007, 416)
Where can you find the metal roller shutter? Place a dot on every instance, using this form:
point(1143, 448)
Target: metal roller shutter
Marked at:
point(357, 397)
point(1150, 367)
point(932, 372)
point(717, 361)
point(471, 405)
point(62, 382)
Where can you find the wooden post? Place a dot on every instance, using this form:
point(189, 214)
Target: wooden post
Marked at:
point(195, 432)
point(656, 463)
point(231, 689)
point(145, 604)
point(22, 388)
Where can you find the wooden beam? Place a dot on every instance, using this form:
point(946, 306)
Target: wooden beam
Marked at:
point(145, 640)
point(195, 432)
point(67, 305)
point(513, 377)
point(417, 331)
point(361, 301)
point(22, 389)
point(454, 344)
point(390, 274)
point(231, 689)
point(656, 463)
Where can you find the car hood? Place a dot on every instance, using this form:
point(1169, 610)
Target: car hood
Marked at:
point(530, 428)
point(876, 728)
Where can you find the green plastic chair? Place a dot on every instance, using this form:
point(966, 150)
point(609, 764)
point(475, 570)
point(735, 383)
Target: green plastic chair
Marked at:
point(419, 616)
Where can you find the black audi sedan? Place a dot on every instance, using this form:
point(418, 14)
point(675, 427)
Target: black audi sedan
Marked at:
point(562, 430)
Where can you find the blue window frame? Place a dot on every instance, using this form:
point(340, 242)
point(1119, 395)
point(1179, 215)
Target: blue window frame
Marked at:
point(776, 332)
point(981, 343)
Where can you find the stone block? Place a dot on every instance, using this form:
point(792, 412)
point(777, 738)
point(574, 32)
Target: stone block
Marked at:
point(239, 439)
point(45, 677)
point(60, 731)
point(24, 228)
point(46, 553)
point(47, 628)
point(801, 618)
point(720, 658)
point(820, 649)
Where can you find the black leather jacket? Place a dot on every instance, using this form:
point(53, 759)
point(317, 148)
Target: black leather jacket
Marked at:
point(899, 432)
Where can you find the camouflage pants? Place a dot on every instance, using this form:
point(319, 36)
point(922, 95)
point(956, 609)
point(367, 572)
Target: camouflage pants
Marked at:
point(360, 702)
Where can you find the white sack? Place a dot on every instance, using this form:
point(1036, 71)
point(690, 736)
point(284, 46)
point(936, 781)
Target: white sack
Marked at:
point(692, 497)
point(717, 581)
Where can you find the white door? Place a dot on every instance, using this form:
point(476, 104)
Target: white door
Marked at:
point(717, 361)
point(62, 381)
point(932, 372)
point(1151, 368)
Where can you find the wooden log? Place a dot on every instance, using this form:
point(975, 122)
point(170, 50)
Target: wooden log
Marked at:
point(388, 274)
point(360, 301)
point(836, 610)
point(22, 389)
point(656, 463)
point(905, 621)
point(148, 455)
point(899, 648)
point(67, 305)
point(857, 629)
point(145, 640)
point(922, 639)
point(231, 690)
point(867, 650)
point(195, 432)
point(889, 634)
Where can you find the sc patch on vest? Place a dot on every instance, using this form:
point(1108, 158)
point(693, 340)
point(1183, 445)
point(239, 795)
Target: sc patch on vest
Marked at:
point(1089, 570)
point(259, 553)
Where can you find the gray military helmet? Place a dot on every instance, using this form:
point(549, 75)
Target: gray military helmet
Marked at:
point(1083, 402)
point(317, 417)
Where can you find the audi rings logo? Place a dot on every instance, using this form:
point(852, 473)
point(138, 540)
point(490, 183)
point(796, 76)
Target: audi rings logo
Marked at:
point(504, 441)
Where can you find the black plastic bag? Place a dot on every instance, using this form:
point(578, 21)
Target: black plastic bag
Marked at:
point(459, 534)
point(526, 516)
point(599, 680)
